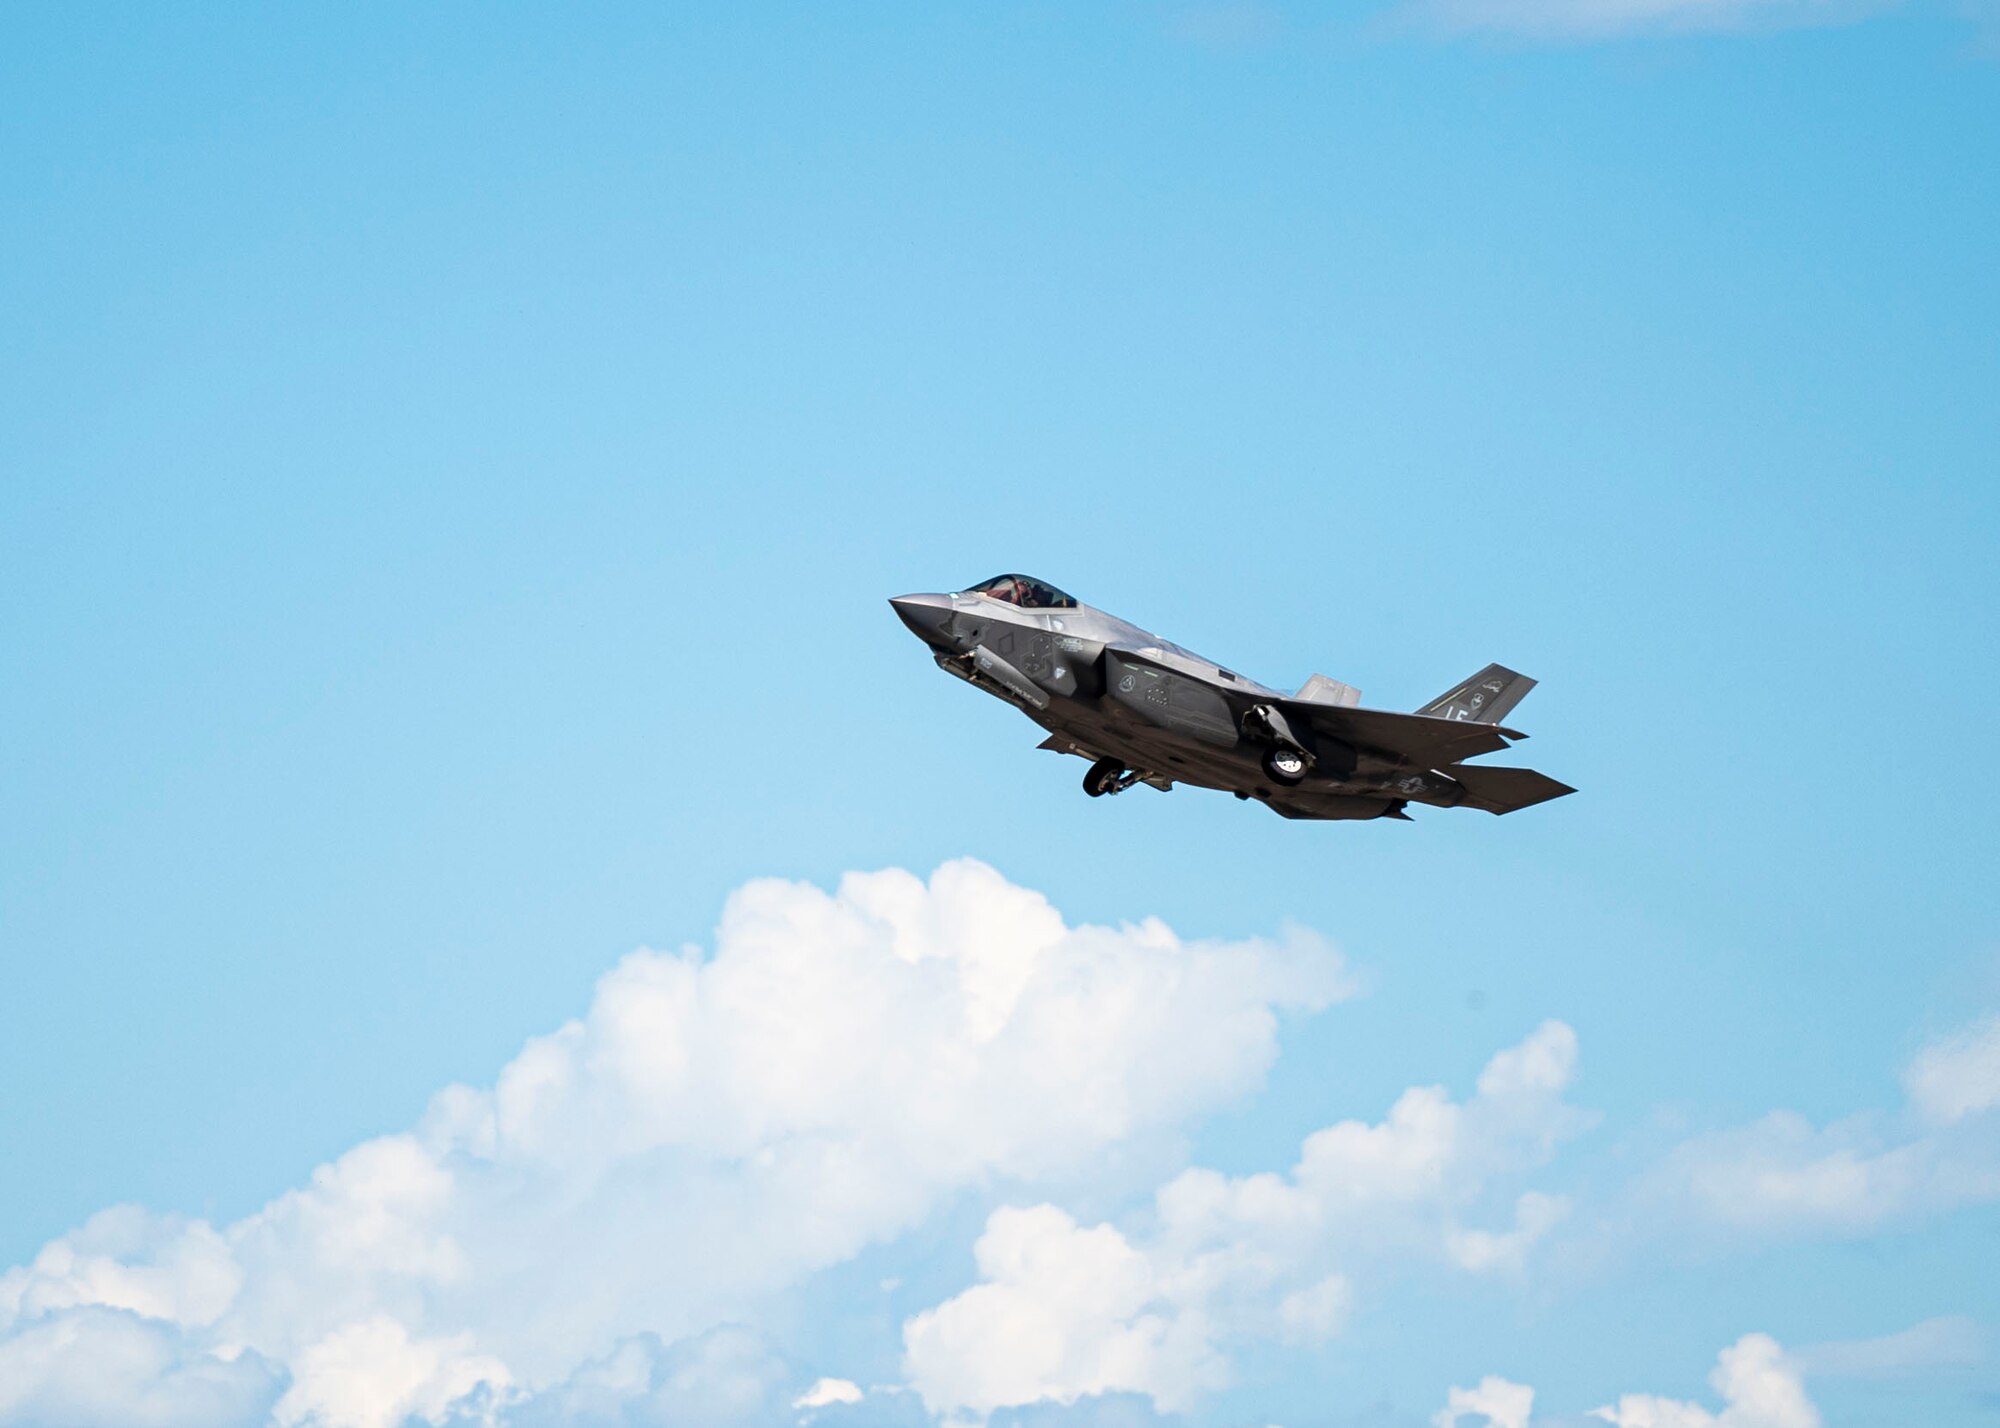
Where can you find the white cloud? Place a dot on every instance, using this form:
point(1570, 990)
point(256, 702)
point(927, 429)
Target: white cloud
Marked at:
point(126, 1258)
point(1958, 1076)
point(1535, 1214)
point(713, 1130)
point(88, 1367)
point(584, 1240)
point(1062, 1311)
point(725, 1377)
point(827, 1391)
point(1950, 1341)
point(1760, 1388)
point(1316, 1312)
point(1783, 1174)
point(1408, 1181)
point(1496, 1401)
point(374, 1375)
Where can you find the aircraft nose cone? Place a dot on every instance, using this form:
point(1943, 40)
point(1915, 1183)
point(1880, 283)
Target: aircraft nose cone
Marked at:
point(926, 615)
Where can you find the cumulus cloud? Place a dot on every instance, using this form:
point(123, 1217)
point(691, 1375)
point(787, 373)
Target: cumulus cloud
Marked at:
point(1062, 1311)
point(717, 1127)
point(372, 1374)
point(724, 1377)
point(1783, 1174)
point(1958, 1076)
point(1494, 1401)
point(159, 1266)
point(1535, 1214)
point(828, 1391)
point(586, 1239)
point(91, 1366)
point(1760, 1388)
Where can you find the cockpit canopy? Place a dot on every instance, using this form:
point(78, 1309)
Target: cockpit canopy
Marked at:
point(1025, 591)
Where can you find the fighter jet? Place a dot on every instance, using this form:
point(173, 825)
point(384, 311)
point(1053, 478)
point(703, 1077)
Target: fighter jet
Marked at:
point(1143, 710)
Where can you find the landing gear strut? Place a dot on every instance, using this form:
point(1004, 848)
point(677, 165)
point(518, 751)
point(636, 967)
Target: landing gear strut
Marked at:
point(1285, 759)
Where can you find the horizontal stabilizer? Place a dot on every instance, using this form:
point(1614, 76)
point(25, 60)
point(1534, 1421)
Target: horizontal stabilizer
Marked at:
point(1505, 790)
point(1483, 699)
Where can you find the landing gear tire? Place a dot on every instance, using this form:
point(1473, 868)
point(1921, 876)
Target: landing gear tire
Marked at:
point(1285, 766)
point(1102, 777)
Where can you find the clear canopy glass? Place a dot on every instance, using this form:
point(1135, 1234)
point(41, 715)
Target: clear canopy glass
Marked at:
point(1025, 591)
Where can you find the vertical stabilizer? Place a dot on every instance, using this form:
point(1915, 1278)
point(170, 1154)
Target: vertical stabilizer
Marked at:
point(1485, 698)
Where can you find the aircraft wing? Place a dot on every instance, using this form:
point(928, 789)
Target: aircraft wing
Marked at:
point(1209, 709)
point(1422, 740)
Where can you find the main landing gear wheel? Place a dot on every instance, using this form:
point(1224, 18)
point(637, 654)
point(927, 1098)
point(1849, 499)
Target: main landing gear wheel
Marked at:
point(1103, 777)
point(1285, 766)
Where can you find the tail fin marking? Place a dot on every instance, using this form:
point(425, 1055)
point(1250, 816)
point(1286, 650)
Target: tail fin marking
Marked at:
point(1485, 698)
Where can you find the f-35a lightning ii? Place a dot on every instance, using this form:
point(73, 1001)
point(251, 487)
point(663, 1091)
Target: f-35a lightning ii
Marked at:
point(1144, 710)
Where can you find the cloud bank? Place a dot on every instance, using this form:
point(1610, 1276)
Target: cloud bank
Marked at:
point(1760, 1388)
point(716, 1128)
point(601, 1235)
point(1759, 1385)
point(1062, 1311)
point(1782, 1176)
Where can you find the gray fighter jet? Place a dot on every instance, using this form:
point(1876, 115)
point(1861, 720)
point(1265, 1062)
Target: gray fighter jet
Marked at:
point(1144, 710)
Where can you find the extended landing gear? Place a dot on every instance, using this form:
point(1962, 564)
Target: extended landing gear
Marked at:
point(1111, 776)
point(1286, 766)
point(1285, 759)
point(1104, 776)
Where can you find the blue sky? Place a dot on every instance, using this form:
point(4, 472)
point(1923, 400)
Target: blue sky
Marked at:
point(454, 462)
